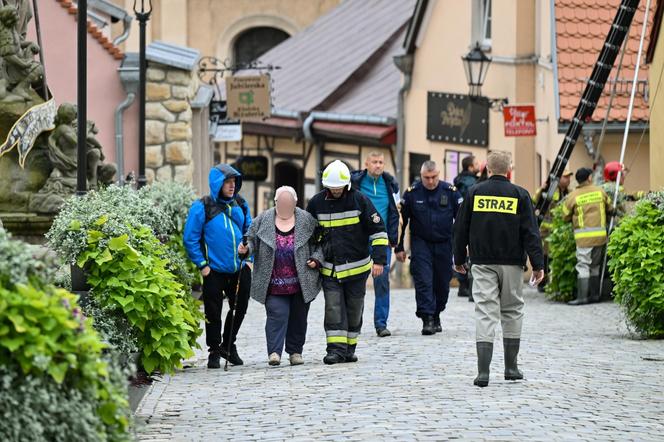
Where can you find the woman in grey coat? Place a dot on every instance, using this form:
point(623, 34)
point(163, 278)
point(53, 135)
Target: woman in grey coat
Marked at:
point(285, 277)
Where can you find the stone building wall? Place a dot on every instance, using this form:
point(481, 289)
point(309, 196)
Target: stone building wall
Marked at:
point(168, 131)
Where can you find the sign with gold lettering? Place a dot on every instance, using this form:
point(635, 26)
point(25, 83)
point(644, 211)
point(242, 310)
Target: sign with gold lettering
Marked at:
point(458, 119)
point(248, 97)
point(252, 168)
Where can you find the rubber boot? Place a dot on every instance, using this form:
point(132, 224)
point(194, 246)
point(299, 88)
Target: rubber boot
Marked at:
point(593, 290)
point(582, 288)
point(484, 354)
point(350, 353)
point(511, 347)
point(333, 358)
point(428, 326)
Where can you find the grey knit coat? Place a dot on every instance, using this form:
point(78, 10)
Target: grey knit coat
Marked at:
point(261, 240)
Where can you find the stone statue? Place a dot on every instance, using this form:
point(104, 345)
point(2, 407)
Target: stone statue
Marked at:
point(19, 69)
point(62, 152)
point(24, 10)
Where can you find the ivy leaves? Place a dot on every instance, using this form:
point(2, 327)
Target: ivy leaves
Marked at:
point(135, 279)
point(562, 258)
point(637, 265)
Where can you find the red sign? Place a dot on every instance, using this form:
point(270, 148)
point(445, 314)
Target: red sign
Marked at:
point(520, 121)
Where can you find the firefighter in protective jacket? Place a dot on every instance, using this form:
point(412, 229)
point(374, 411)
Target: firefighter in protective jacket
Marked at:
point(349, 225)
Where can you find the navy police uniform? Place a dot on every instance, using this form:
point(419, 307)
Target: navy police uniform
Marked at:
point(431, 215)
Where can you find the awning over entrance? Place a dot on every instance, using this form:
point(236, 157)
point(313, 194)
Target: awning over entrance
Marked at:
point(371, 134)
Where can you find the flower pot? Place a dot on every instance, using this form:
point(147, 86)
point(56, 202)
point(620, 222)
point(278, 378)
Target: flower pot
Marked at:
point(79, 279)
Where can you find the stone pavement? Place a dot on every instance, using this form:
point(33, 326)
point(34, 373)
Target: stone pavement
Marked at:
point(585, 380)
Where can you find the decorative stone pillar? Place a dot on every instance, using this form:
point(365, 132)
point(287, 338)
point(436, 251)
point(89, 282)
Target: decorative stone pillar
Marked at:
point(169, 91)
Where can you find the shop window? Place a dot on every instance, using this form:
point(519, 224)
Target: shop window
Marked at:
point(453, 166)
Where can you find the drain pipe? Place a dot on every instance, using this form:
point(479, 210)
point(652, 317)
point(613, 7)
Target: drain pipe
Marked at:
point(129, 75)
point(405, 64)
point(119, 142)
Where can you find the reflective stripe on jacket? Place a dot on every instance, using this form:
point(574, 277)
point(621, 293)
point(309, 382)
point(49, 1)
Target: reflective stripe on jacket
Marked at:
point(588, 208)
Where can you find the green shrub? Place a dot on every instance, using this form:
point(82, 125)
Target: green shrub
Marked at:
point(21, 262)
point(636, 261)
point(51, 361)
point(561, 286)
point(175, 199)
point(122, 206)
point(133, 276)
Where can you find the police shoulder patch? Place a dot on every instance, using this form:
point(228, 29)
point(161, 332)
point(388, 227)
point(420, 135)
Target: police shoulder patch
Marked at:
point(375, 218)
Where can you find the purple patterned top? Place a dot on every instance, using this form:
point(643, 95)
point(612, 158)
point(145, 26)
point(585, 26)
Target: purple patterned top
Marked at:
point(284, 274)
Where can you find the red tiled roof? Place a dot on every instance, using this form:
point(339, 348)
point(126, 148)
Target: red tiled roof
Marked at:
point(581, 28)
point(93, 30)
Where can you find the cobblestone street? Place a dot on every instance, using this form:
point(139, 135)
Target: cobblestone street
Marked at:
point(585, 379)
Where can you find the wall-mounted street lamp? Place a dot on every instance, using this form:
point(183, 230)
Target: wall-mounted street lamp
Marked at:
point(142, 9)
point(476, 64)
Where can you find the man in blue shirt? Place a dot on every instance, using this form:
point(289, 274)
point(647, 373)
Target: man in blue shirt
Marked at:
point(383, 191)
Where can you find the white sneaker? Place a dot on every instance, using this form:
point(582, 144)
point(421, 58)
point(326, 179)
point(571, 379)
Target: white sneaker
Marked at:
point(296, 359)
point(274, 359)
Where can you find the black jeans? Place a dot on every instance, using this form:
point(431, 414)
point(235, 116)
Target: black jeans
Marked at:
point(215, 286)
point(286, 321)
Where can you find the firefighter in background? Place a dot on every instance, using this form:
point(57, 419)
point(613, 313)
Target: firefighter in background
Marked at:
point(589, 209)
point(611, 171)
point(349, 225)
point(545, 227)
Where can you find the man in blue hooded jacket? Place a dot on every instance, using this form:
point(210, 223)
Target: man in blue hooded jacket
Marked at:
point(215, 226)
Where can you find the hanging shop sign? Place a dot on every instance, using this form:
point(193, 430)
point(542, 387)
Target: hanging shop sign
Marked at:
point(458, 119)
point(520, 121)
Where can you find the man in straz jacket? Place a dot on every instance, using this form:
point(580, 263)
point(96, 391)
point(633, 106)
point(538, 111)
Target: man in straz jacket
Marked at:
point(383, 191)
point(212, 233)
point(349, 225)
point(497, 223)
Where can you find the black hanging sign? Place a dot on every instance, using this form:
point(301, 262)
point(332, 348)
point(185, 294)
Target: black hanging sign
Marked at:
point(252, 168)
point(458, 119)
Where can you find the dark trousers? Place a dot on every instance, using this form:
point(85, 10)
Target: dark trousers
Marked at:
point(431, 267)
point(286, 321)
point(344, 305)
point(215, 286)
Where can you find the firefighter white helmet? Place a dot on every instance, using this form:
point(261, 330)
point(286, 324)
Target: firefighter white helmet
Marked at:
point(336, 175)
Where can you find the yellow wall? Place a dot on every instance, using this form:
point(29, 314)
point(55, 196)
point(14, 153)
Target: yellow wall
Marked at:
point(657, 117)
point(212, 26)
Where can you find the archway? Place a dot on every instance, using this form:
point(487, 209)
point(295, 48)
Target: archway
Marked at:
point(254, 42)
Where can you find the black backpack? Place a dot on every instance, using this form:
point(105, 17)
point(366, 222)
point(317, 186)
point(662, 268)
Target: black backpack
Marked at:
point(212, 209)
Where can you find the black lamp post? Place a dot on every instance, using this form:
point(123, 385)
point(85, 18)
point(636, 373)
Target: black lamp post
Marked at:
point(476, 64)
point(142, 15)
point(81, 97)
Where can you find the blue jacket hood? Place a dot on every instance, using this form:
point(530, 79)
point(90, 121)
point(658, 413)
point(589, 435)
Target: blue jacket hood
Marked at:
point(218, 174)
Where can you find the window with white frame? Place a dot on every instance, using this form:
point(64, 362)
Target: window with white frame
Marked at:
point(482, 24)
